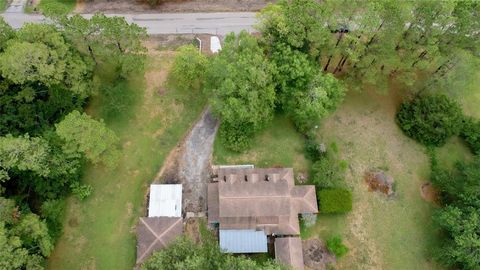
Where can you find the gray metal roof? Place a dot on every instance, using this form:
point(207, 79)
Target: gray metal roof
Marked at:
point(243, 241)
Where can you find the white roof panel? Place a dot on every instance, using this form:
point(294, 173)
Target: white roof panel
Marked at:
point(215, 45)
point(165, 201)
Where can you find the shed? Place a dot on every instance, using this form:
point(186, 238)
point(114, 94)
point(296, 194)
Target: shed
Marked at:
point(156, 233)
point(243, 241)
point(165, 201)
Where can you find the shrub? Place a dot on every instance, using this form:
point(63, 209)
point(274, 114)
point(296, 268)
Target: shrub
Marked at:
point(470, 133)
point(314, 150)
point(431, 120)
point(327, 173)
point(81, 191)
point(53, 212)
point(188, 69)
point(336, 200)
point(335, 245)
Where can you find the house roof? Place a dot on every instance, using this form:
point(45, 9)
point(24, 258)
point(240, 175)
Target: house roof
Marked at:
point(165, 201)
point(288, 251)
point(154, 233)
point(243, 241)
point(259, 199)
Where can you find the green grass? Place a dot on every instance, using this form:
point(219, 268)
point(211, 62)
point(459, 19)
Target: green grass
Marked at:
point(278, 145)
point(99, 232)
point(3, 5)
point(57, 6)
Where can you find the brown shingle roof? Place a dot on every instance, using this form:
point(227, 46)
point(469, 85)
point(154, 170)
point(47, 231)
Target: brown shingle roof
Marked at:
point(264, 199)
point(288, 251)
point(155, 233)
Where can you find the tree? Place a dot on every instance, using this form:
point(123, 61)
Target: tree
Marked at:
point(321, 97)
point(431, 120)
point(240, 89)
point(6, 33)
point(40, 54)
point(188, 68)
point(82, 134)
point(13, 256)
point(33, 233)
point(460, 223)
point(303, 91)
point(107, 40)
point(24, 153)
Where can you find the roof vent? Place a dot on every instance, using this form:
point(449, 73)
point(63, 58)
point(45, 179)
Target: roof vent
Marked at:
point(267, 177)
point(246, 178)
point(224, 178)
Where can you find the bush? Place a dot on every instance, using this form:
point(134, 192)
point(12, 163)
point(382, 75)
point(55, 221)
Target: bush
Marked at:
point(81, 191)
point(327, 173)
point(314, 150)
point(335, 245)
point(336, 200)
point(430, 120)
point(188, 69)
point(470, 133)
point(53, 212)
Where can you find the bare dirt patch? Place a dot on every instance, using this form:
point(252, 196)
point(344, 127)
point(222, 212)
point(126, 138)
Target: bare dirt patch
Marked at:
point(429, 193)
point(316, 256)
point(129, 6)
point(378, 180)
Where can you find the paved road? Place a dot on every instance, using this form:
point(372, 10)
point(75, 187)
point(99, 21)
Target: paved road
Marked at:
point(167, 23)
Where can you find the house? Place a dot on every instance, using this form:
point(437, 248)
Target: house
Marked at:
point(164, 222)
point(250, 205)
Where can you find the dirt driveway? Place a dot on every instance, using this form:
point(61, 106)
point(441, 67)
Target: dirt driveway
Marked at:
point(190, 163)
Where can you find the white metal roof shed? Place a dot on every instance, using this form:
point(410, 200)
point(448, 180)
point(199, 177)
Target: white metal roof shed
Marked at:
point(165, 201)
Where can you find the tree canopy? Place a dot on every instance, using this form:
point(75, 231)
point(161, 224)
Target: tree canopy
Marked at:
point(240, 89)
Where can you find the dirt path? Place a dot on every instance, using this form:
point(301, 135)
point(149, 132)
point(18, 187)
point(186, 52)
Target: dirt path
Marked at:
point(189, 164)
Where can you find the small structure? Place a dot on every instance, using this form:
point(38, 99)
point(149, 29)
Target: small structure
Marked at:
point(156, 233)
point(254, 202)
point(215, 45)
point(164, 222)
point(165, 201)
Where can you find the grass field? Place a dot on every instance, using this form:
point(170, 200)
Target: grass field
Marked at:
point(61, 6)
point(98, 232)
point(3, 5)
point(278, 145)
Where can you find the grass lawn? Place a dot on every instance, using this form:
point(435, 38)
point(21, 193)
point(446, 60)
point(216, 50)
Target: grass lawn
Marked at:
point(3, 5)
point(62, 6)
point(99, 232)
point(278, 145)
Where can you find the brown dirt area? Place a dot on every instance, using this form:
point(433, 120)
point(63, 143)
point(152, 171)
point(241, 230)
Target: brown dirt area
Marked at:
point(379, 181)
point(129, 6)
point(316, 256)
point(429, 193)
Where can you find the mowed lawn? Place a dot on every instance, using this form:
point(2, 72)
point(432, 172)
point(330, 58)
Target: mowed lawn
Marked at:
point(99, 232)
point(3, 5)
point(65, 6)
point(278, 145)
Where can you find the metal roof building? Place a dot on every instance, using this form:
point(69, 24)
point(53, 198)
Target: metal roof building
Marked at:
point(243, 241)
point(165, 201)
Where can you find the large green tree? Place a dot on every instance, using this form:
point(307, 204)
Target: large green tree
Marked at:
point(85, 135)
point(109, 40)
point(240, 89)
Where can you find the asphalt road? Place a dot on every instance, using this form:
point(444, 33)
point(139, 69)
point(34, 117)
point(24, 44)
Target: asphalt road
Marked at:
point(219, 23)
